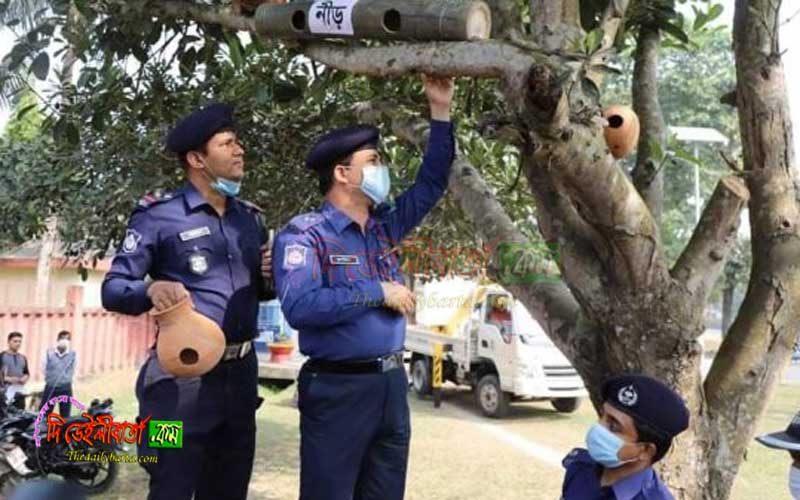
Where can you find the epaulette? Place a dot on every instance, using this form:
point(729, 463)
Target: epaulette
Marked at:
point(302, 222)
point(154, 198)
point(577, 456)
point(251, 205)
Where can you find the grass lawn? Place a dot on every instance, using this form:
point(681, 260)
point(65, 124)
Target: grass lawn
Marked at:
point(451, 457)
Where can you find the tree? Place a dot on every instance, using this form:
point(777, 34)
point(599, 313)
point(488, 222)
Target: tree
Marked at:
point(532, 101)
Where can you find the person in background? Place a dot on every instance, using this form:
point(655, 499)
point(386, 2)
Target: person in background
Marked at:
point(14, 367)
point(639, 418)
point(59, 368)
point(788, 440)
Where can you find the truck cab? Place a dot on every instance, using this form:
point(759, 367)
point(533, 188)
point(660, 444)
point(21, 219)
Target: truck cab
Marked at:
point(503, 354)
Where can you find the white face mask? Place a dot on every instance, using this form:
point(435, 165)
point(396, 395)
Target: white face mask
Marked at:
point(794, 482)
point(63, 344)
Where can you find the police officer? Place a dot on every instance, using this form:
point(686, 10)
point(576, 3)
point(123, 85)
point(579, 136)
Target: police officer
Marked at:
point(788, 440)
point(201, 241)
point(639, 418)
point(337, 276)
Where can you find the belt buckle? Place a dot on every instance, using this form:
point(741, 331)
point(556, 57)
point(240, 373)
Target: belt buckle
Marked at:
point(242, 350)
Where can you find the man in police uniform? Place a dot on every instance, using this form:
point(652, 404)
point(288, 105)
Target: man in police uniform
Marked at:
point(337, 276)
point(639, 418)
point(201, 241)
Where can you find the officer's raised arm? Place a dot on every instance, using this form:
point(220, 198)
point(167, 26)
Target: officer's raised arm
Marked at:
point(305, 301)
point(431, 181)
point(124, 289)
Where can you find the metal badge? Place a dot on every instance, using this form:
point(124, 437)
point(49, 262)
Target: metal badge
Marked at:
point(198, 263)
point(343, 260)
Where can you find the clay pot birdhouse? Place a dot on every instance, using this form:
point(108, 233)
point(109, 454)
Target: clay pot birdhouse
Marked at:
point(189, 344)
point(248, 7)
point(622, 132)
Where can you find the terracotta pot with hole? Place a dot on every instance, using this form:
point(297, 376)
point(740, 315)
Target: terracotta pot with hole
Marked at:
point(189, 344)
point(622, 132)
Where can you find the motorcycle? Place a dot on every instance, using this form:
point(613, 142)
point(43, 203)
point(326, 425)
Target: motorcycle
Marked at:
point(21, 459)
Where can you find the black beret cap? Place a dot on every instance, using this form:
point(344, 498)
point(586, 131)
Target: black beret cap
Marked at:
point(340, 143)
point(196, 129)
point(648, 401)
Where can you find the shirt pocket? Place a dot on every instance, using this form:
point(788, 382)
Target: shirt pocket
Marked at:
point(194, 259)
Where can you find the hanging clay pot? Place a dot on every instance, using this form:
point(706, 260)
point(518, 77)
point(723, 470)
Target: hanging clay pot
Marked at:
point(189, 344)
point(622, 132)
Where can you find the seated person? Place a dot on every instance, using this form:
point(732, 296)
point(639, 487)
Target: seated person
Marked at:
point(639, 418)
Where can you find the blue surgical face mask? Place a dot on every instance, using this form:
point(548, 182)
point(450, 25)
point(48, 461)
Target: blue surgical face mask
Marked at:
point(225, 187)
point(603, 446)
point(376, 183)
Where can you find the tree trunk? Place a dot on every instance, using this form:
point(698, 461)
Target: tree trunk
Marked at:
point(758, 344)
point(647, 175)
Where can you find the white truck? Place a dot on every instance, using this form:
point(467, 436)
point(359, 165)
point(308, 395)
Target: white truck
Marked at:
point(504, 355)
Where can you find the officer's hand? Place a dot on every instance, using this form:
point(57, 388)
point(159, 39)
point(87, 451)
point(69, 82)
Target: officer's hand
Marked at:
point(398, 297)
point(439, 92)
point(164, 294)
point(266, 261)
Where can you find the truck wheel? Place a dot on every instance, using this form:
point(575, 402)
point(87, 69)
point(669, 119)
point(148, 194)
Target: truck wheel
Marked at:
point(566, 405)
point(421, 375)
point(491, 399)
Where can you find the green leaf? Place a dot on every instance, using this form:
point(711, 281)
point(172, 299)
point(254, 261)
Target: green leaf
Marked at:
point(592, 41)
point(675, 31)
point(24, 111)
point(656, 152)
point(715, 11)
point(41, 66)
point(235, 49)
point(683, 155)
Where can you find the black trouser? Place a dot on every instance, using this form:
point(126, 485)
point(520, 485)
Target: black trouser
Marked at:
point(354, 435)
point(219, 431)
point(64, 408)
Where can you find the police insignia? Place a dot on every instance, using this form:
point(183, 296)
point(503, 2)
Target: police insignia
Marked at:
point(628, 396)
point(131, 241)
point(294, 256)
point(198, 263)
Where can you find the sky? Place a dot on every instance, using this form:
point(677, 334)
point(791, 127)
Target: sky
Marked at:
point(789, 43)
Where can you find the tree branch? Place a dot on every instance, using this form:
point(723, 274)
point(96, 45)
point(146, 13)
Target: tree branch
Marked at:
point(176, 9)
point(606, 200)
point(647, 176)
point(489, 59)
point(698, 267)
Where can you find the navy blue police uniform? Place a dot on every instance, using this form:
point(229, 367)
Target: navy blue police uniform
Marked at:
point(649, 402)
point(352, 392)
point(178, 236)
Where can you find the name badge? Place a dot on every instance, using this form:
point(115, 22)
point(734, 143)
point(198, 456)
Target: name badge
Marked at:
point(194, 233)
point(343, 260)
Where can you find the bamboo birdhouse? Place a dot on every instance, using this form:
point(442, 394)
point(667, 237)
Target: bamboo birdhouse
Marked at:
point(418, 20)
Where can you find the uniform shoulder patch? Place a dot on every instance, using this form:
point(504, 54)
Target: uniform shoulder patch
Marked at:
point(302, 222)
point(154, 198)
point(251, 205)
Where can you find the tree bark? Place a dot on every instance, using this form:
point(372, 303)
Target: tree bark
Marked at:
point(648, 175)
point(759, 342)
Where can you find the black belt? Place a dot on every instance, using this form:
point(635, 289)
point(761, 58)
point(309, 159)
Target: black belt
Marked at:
point(382, 364)
point(234, 351)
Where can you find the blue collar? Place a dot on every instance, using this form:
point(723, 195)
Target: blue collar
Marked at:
point(194, 199)
point(627, 488)
point(338, 219)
